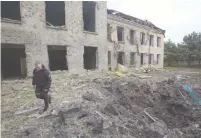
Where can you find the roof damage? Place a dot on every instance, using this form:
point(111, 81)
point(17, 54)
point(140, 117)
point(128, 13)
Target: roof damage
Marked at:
point(134, 19)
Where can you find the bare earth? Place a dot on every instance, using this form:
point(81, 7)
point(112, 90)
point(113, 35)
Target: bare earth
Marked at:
point(103, 105)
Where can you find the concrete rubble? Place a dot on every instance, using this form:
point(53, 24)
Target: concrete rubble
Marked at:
point(102, 104)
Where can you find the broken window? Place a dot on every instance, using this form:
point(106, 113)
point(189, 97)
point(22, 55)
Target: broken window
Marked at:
point(121, 58)
point(151, 40)
point(132, 37)
point(57, 58)
point(120, 33)
point(132, 58)
point(10, 10)
point(90, 57)
point(158, 42)
point(158, 58)
point(55, 13)
point(108, 32)
point(142, 38)
point(13, 61)
point(151, 59)
point(89, 15)
point(143, 58)
point(109, 58)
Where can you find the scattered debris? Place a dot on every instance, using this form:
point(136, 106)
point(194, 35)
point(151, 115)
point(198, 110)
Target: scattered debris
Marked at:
point(43, 115)
point(26, 111)
point(49, 24)
point(154, 120)
point(54, 112)
point(144, 77)
point(101, 104)
point(121, 70)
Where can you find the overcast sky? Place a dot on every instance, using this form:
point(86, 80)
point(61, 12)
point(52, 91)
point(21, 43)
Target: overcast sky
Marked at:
point(177, 17)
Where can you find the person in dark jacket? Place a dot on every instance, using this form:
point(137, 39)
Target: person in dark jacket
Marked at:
point(42, 82)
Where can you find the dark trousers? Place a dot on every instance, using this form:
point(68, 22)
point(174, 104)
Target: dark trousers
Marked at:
point(41, 94)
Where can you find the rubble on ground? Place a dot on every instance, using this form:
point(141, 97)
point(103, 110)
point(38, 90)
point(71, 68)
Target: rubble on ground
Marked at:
point(102, 104)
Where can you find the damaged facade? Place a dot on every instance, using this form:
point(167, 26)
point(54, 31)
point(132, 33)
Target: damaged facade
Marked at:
point(134, 42)
point(74, 36)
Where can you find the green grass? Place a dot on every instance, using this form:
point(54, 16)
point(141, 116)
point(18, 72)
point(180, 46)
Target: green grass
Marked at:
point(169, 68)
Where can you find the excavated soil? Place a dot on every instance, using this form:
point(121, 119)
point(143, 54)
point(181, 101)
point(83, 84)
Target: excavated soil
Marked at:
point(107, 106)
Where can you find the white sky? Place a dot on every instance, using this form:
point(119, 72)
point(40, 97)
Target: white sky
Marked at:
point(177, 17)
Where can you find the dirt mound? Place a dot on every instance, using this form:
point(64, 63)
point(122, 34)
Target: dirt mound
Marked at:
point(123, 108)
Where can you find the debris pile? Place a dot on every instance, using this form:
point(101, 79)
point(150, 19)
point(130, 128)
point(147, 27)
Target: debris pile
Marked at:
point(120, 107)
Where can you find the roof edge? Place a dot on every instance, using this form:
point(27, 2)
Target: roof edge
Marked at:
point(135, 20)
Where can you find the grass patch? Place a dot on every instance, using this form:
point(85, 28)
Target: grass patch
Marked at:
point(169, 68)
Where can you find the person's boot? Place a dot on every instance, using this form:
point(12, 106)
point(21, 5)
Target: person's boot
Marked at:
point(46, 102)
point(49, 99)
point(45, 108)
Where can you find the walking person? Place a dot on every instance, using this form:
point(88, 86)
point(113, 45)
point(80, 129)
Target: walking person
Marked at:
point(41, 83)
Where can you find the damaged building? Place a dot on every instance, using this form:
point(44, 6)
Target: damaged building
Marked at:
point(134, 42)
point(74, 36)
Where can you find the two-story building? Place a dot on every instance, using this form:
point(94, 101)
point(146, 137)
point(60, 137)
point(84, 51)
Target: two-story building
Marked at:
point(72, 35)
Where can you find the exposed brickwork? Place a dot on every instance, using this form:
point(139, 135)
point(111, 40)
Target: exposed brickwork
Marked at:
point(35, 35)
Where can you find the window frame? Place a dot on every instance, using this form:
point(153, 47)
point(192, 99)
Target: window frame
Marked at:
point(158, 41)
point(123, 39)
